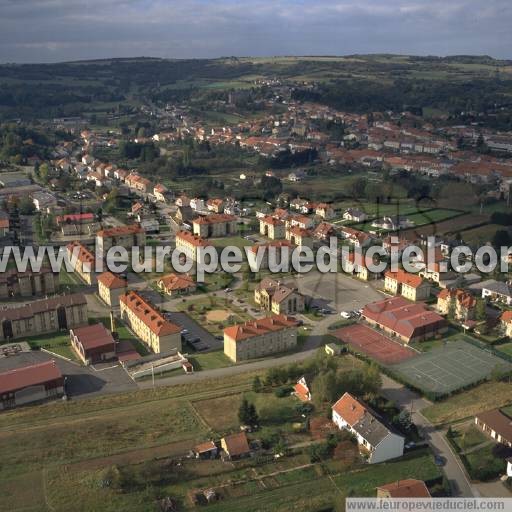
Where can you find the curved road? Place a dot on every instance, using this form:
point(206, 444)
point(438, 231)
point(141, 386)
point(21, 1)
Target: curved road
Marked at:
point(402, 396)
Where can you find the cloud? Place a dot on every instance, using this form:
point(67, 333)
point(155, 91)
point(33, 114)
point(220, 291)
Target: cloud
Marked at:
point(53, 30)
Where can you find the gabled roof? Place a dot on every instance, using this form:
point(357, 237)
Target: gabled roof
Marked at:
point(497, 421)
point(403, 277)
point(176, 282)
point(148, 314)
point(254, 328)
point(408, 488)
point(112, 281)
point(94, 336)
point(236, 444)
point(120, 231)
point(26, 376)
point(215, 219)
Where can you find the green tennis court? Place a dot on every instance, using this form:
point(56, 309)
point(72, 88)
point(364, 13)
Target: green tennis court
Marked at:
point(448, 368)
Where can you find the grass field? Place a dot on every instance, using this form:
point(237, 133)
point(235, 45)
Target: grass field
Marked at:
point(486, 396)
point(467, 438)
point(57, 343)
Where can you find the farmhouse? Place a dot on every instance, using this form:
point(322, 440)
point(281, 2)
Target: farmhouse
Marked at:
point(410, 286)
point(278, 298)
point(110, 288)
point(34, 383)
point(403, 319)
point(496, 425)
point(258, 338)
point(43, 316)
point(378, 441)
point(93, 343)
point(215, 225)
point(148, 323)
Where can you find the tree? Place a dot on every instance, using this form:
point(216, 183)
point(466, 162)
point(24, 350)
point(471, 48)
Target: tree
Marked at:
point(452, 309)
point(501, 239)
point(247, 414)
point(480, 310)
point(324, 388)
point(257, 385)
point(44, 172)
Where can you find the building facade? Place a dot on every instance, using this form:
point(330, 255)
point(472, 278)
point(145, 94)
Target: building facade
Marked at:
point(278, 298)
point(215, 225)
point(110, 288)
point(189, 244)
point(14, 284)
point(123, 236)
point(149, 324)
point(84, 263)
point(261, 337)
point(43, 316)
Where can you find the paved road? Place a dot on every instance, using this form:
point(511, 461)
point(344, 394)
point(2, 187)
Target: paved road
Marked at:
point(407, 399)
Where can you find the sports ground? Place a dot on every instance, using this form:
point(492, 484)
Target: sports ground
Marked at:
point(374, 344)
point(450, 367)
point(442, 370)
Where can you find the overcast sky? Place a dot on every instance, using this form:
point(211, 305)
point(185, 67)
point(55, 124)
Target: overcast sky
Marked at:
point(57, 30)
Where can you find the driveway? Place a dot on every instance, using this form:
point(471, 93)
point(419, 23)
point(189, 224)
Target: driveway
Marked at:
point(453, 469)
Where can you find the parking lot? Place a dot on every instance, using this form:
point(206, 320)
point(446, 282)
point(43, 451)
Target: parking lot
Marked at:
point(336, 292)
point(206, 341)
point(81, 381)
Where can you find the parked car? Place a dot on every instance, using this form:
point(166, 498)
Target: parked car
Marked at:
point(346, 315)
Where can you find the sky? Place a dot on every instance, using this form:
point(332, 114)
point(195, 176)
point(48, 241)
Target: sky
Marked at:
point(61, 30)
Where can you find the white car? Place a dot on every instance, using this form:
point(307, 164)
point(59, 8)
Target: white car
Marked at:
point(345, 314)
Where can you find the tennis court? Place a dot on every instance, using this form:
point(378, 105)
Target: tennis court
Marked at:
point(448, 368)
point(374, 344)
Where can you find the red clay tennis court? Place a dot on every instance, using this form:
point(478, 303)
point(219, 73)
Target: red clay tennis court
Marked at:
point(373, 344)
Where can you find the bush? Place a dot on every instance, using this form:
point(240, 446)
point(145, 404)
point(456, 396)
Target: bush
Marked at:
point(283, 391)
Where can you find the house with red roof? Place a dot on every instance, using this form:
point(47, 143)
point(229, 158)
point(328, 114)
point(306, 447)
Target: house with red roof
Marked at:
point(404, 319)
point(506, 323)
point(176, 284)
point(261, 337)
point(377, 440)
point(410, 286)
point(460, 303)
point(214, 225)
point(272, 227)
point(93, 343)
point(408, 488)
point(110, 288)
point(32, 383)
point(301, 390)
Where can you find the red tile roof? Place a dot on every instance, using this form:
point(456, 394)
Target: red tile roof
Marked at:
point(404, 277)
point(237, 444)
point(120, 231)
point(148, 314)
point(349, 409)
point(177, 282)
point(402, 316)
point(83, 254)
point(188, 237)
point(506, 317)
point(409, 488)
point(75, 217)
point(214, 218)
point(259, 327)
point(33, 375)
point(112, 281)
point(94, 336)
point(275, 243)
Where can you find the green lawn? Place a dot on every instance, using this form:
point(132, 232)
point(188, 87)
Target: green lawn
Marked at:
point(486, 463)
point(57, 343)
point(467, 438)
point(234, 241)
point(210, 361)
